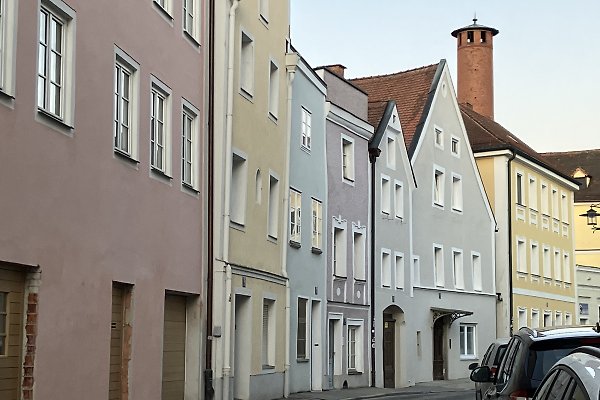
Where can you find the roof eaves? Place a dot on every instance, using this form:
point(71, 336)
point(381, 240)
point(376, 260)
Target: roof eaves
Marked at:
point(383, 124)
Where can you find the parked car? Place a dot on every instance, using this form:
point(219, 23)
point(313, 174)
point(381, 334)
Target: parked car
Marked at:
point(491, 358)
point(574, 377)
point(529, 356)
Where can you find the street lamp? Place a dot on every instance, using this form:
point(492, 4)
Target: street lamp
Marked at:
point(592, 217)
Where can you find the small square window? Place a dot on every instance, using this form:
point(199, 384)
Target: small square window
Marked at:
point(439, 137)
point(455, 146)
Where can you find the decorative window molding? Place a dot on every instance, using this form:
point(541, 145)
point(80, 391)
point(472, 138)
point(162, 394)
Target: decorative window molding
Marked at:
point(339, 256)
point(455, 146)
point(533, 191)
point(520, 188)
point(268, 334)
point(535, 258)
point(355, 346)
point(192, 20)
point(521, 255)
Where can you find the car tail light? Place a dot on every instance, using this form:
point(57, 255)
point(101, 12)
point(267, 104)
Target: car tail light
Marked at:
point(519, 395)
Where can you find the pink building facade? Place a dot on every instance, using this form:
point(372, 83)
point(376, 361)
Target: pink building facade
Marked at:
point(102, 206)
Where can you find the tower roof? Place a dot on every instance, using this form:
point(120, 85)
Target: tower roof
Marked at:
point(475, 26)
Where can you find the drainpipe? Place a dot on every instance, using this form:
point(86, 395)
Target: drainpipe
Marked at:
point(226, 200)
point(373, 154)
point(510, 252)
point(209, 390)
point(291, 62)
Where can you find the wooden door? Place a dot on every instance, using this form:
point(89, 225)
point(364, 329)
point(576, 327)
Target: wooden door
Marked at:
point(173, 380)
point(11, 332)
point(438, 349)
point(389, 351)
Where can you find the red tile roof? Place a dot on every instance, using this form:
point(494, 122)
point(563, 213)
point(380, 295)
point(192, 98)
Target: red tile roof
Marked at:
point(409, 89)
point(586, 160)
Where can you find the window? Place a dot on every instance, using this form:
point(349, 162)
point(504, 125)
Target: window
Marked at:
point(535, 259)
point(555, 211)
point(189, 146)
point(519, 188)
point(385, 195)
point(455, 146)
point(191, 18)
point(3, 323)
point(470, 35)
point(399, 270)
point(359, 256)
point(258, 187)
point(467, 341)
point(564, 208)
point(439, 137)
point(416, 271)
point(339, 252)
point(264, 10)
point(557, 265)
point(347, 159)
point(532, 193)
point(55, 60)
point(477, 278)
point(567, 268)
point(438, 265)
point(126, 90)
point(558, 319)
point(273, 216)
point(7, 47)
point(547, 319)
point(317, 223)
point(165, 5)
point(535, 319)
point(457, 269)
point(247, 65)
point(355, 340)
point(546, 263)
point(306, 128)
point(483, 37)
point(301, 334)
point(295, 215)
point(268, 333)
point(522, 317)
point(160, 137)
point(238, 189)
point(391, 152)
point(386, 268)
point(398, 200)
point(273, 90)
point(568, 320)
point(457, 197)
point(438, 187)
point(544, 194)
point(521, 256)
point(352, 347)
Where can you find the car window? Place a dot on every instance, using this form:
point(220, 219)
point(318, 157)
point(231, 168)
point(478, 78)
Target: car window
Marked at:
point(499, 354)
point(578, 392)
point(486, 356)
point(546, 386)
point(559, 386)
point(508, 361)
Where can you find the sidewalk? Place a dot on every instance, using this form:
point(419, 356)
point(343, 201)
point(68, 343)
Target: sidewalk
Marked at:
point(455, 385)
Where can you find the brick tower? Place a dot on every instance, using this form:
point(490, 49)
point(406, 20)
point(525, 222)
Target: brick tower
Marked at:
point(475, 64)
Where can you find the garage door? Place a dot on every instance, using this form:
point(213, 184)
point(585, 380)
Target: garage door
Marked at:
point(11, 331)
point(173, 380)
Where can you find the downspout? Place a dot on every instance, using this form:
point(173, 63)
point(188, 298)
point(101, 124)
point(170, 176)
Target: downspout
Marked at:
point(226, 205)
point(373, 154)
point(209, 390)
point(291, 62)
point(510, 252)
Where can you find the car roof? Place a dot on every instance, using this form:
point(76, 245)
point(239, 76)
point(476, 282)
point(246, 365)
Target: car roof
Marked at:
point(558, 332)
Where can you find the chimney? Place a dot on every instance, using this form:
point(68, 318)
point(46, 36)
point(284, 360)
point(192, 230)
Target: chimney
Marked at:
point(475, 65)
point(337, 69)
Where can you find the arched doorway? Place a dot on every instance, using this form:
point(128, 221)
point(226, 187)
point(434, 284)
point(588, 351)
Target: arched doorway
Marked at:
point(439, 350)
point(392, 319)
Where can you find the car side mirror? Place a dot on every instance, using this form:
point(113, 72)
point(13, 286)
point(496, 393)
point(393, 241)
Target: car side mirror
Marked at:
point(472, 366)
point(481, 374)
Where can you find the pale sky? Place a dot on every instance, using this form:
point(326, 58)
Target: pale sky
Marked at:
point(546, 56)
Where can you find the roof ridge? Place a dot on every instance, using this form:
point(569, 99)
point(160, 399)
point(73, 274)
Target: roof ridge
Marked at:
point(466, 109)
point(395, 73)
point(568, 151)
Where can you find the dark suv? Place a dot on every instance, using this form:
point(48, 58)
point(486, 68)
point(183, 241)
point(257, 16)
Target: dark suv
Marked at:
point(529, 356)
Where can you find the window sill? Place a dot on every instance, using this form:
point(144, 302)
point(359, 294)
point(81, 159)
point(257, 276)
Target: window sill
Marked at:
point(470, 358)
point(160, 174)
point(273, 117)
point(354, 372)
point(268, 367)
point(316, 250)
point(438, 205)
point(189, 188)
point(264, 20)
point(7, 99)
point(360, 280)
point(457, 210)
point(191, 38)
point(237, 226)
point(385, 286)
point(339, 277)
point(295, 244)
point(48, 116)
point(272, 239)
point(125, 156)
point(247, 95)
point(305, 148)
point(163, 12)
point(302, 360)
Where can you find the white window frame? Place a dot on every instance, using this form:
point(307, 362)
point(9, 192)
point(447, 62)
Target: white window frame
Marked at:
point(455, 145)
point(273, 207)
point(160, 91)
point(535, 258)
point(166, 6)
point(359, 253)
point(558, 321)
point(521, 317)
point(546, 262)
point(438, 186)
point(190, 156)
point(8, 29)
point(295, 227)
point(399, 199)
point(306, 128)
point(520, 188)
point(545, 193)
point(399, 268)
point(535, 318)
point(463, 333)
point(357, 326)
point(317, 224)
point(385, 191)
point(60, 12)
point(457, 193)
point(191, 19)
point(246, 64)
point(123, 62)
point(564, 207)
point(557, 262)
point(438, 137)
point(416, 271)
point(568, 319)
point(306, 355)
point(533, 197)
point(386, 268)
point(566, 267)
point(555, 205)
point(347, 147)
point(338, 249)
point(239, 181)
point(263, 11)
point(273, 90)
point(458, 268)
point(391, 151)
point(521, 254)
point(547, 315)
point(477, 271)
point(268, 333)
point(438, 265)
